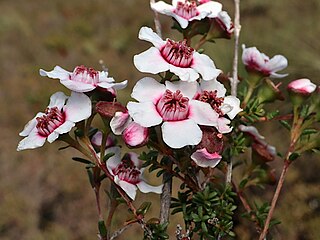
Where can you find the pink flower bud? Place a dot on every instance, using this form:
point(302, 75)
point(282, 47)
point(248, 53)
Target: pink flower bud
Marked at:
point(135, 135)
point(302, 86)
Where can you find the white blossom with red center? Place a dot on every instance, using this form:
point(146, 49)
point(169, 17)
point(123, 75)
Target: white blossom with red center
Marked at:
point(176, 57)
point(256, 61)
point(84, 79)
point(172, 105)
point(185, 11)
point(213, 93)
point(303, 86)
point(59, 118)
point(127, 173)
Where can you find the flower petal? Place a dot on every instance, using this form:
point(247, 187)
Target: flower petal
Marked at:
point(58, 72)
point(77, 86)
point(119, 122)
point(205, 66)
point(181, 133)
point(30, 125)
point(78, 107)
point(144, 113)
point(211, 7)
point(150, 61)
point(188, 89)
point(64, 128)
point(146, 188)
point(213, 85)
point(234, 102)
point(34, 140)
point(148, 89)
point(149, 35)
point(134, 157)
point(277, 63)
point(185, 74)
point(202, 113)
point(205, 159)
point(130, 189)
point(58, 100)
point(115, 160)
point(52, 137)
point(223, 125)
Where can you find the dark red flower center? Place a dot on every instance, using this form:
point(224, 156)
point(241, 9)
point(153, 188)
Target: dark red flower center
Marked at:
point(186, 9)
point(85, 75)
point(214, 101)
point(127, 171)
point(177, 53)
point(52, 119)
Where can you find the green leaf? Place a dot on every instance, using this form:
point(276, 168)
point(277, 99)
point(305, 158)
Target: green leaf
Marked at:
point(81, 160)
point(285, 124)
point(107, 156)
point(293, 156)
point(102, 228)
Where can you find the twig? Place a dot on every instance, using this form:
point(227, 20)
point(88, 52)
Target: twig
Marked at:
point(165, 198)
point(275, 199)
point(118, 232)
point(234, 80)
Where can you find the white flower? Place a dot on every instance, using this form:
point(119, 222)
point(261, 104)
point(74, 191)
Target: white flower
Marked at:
point(302, 86)
point(185, 11)
point(172, 104)
point(84, 79)
point(133, 134)
point(96, 140)
point(254, 60)
point(205, 159)
point(59, 117)
point(176, 57)
point(127, 173)
point(213, 92)
point(225, 22)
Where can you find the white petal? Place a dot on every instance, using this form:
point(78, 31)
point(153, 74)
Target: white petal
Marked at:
point(149, 35)
point(148, 89)
point(181, 133)
point(223, 125)
point(52, 137)
point(205, 66)
point(146, 188)
point(205, 159)
point(78, 107)
point(202, 113)
point(115, 160)
point(185, 74)
point(150, 61)
point(234, 102)
point(77, 86)
point(135, 135)
point(277, 63)
point(212, 7)
point(182, 21)
point(130, 189)
point(57, 72)
point(64, 128)
point(188, 89)
point(134, 157)
point(58, 100)
point(213, 85)
point(34, 140)
point(144, 113)
point(120, 85)
point(119, 122)
point(97, 138)
point(30, 126)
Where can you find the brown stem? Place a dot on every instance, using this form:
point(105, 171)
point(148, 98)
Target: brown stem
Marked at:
point(275, 199)
point(200, 43)
point(156, 21)
point(165, 198)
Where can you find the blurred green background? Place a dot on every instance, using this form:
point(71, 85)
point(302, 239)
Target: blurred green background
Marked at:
point(43, 194)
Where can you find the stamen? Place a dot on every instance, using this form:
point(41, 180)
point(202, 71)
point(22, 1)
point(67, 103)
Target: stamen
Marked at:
point(186, 9)
point(173, 106)
point(177, 53)
point(47, 123)
point(214, 101)
point(127, 171)
point(85, 75)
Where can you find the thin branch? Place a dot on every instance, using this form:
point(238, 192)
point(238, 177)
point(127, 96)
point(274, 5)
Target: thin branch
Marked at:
point(165, 198)
point(234, 80)
point(120, 231)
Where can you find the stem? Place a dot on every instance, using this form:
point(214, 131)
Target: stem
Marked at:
point(275, 199)
point(234, 80)
point(165, 199)
point(248, 96)
point(200, 43)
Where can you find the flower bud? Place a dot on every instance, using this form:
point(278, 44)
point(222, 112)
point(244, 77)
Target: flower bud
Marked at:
point(300, 90)
point(268, 92)
point(220, 27)
point(134, 135)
